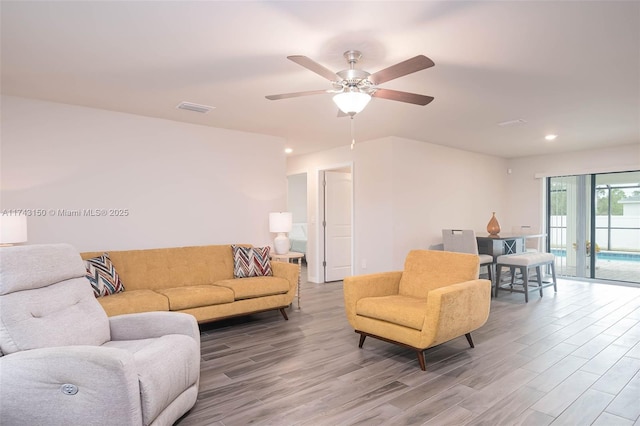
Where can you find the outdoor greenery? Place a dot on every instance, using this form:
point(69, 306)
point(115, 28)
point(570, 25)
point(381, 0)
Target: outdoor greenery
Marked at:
point(559, 200)
point(602, 203)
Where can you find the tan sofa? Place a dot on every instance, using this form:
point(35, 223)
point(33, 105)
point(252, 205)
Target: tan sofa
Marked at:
point(195, 280)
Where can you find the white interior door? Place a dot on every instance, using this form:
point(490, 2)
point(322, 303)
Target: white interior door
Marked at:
point(337, 225)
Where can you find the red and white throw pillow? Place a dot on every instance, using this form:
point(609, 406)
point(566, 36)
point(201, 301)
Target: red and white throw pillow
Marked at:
point(251, 262)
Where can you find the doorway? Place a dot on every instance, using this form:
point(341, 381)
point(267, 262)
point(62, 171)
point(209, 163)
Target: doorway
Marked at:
point(297, 205)
point(337, 223)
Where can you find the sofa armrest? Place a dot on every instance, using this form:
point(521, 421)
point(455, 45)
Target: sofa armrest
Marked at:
point(153, 324)
point(455, 310)
point(288, 271)
point(370, 285)
point(106, 380)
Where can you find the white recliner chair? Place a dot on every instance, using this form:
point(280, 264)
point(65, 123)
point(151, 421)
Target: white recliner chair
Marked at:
point(63, 361)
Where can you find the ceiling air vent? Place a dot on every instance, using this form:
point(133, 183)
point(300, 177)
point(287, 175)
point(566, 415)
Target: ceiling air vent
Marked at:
point(515, 122)
point(189, 106)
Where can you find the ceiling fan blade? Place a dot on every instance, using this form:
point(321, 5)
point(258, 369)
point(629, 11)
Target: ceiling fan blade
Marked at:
point(395, 95)
point(314, 66)
point(409, 66)
point(296, 94)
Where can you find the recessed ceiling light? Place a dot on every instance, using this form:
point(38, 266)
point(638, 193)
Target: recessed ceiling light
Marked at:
point(288, 150)
point(550, 137)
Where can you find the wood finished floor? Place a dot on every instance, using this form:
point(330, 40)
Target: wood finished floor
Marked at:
point(567, 359)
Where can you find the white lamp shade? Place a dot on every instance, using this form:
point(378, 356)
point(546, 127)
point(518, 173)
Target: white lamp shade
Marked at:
point(351, 102)
point(280, 222)
point(13, 229)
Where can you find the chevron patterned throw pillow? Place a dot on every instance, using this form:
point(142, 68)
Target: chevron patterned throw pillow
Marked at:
point(103, 276)
point(251, 262)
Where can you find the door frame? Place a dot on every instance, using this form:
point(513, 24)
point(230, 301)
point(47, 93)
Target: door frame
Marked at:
point(320, 243)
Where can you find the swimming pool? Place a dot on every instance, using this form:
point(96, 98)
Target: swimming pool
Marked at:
point(606, 255)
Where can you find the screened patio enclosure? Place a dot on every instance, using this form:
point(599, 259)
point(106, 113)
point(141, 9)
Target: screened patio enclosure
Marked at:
point(602, 208)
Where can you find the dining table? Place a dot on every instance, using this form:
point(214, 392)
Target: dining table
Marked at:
point(502, 243)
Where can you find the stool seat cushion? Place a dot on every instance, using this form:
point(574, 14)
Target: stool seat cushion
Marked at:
point(485, 258)
point(525, 259)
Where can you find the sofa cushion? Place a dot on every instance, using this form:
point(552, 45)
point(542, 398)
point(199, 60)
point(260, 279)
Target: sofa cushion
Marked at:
point(401, 310)
point(196, 296)
point(251, 262)
point(248, 288)
point(151, 269)
point(132, 301)
point(103, 276)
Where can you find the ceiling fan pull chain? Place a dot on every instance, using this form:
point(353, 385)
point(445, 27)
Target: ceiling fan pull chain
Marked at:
point(353, 137)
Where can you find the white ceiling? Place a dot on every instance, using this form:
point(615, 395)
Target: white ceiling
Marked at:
point(566, 67)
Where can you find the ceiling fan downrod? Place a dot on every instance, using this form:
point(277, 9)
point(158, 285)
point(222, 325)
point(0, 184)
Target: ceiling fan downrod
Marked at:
point(352, 57)
point(352, 77)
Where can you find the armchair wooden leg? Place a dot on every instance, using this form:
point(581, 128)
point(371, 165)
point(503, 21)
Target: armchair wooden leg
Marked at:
point(468, 336)
point(284, 314)
point(419, 352)
point(423, 366)
point(362, 337)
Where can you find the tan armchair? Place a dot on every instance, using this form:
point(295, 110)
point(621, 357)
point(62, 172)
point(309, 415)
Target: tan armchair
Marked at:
point(437, 297)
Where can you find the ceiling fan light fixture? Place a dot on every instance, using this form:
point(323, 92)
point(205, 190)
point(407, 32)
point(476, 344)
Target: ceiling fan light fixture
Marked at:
point(351, 102)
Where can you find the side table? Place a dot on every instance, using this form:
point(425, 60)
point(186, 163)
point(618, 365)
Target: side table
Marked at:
point(286, 257)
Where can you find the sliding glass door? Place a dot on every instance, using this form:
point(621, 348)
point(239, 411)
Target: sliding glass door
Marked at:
point(594, 225)
point(569, 223)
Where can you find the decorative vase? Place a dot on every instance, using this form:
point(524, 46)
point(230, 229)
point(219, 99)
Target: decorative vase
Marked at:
point(493, 227)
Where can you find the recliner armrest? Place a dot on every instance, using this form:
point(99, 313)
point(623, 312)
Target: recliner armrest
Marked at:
point(370, 285)
point(153, 324)
point(31, 386)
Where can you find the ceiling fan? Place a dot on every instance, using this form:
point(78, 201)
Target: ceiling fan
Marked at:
point(353, 88)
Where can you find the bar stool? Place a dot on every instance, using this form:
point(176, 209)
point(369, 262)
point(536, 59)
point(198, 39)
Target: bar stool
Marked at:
point(525, 262)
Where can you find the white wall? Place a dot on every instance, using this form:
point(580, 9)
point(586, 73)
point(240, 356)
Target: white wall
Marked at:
point(185, 184)
point(436, 187)
point(182, 184)
point(405, 193)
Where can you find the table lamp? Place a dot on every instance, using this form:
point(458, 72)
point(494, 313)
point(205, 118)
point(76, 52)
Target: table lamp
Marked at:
point(13, 230)
point(280, 223)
